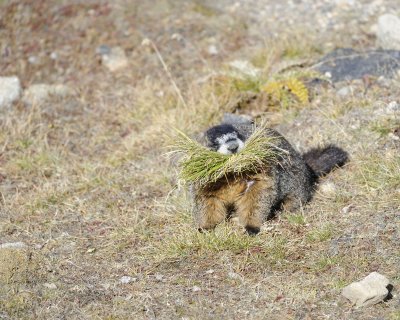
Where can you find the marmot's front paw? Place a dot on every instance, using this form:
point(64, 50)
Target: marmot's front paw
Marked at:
point(252, 231)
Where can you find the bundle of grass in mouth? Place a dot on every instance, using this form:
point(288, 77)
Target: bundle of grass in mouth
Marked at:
point(202, 166)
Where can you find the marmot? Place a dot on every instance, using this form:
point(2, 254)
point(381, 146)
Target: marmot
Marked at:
point(255, 197)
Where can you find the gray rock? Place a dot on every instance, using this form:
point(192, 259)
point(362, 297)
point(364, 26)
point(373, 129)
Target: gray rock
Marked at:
point(127, 279)
point(10, 90)
point(388, 32)
point(13, 245)
point(348, 64)
point(231, 118)
point(345, 91)
point(38, 93)
point(115, 59)
point(244, 68)
point(393, 106)
point(371, 290)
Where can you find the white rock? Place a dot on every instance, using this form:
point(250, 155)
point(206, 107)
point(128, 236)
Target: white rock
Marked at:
point(10, 90)
point(371, 290)
point(328, 188)
point(212, 50)
point(393, 106)
point(127, 279)
point(159, 277)
point(388, 32)
point(13, 245)
point(245, 68)
point(115, 60)
point(196, 289)
point(234, 275)
point(50, 286)
point(345, 91)
point(38, 93)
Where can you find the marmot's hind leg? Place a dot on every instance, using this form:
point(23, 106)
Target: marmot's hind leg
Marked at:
point(254, 205)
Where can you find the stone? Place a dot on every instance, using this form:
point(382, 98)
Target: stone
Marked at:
point(115, 59)
point(348, 64)
point(212, 50)
point(51, 286)
point(159, 277)
point(369, 291)
point(38, 93)
point(10, 90)
point(345, 91)
point(393, 106)
point(13, 245)
point(328, 188)
point(196, 289)
point(127, 279)
point(244, 68)
point(388, 32)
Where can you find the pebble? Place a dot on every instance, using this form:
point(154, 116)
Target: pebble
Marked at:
point(245, 68)
point(393, 106)
point(328, 188)
point(13, 245)
point(196, 289)
point(212, 50)
point(159, 277)
point(388, 32)
point(127, 279)
point(115, 59)
point(369, 291)
point(51, 286)
point(10, 90)
point(345, 91)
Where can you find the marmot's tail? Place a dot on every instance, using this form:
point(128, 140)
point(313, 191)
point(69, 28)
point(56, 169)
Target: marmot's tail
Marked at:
point(323, 160)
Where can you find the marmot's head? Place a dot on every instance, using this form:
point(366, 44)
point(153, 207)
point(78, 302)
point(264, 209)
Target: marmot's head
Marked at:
point(224, 139)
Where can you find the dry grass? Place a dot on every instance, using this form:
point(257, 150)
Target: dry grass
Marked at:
point(84, 183)
point(202, 166)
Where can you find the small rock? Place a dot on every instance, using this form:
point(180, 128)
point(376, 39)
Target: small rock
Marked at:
point(347, 209)
point(33, 60)
point(115, 59)
point(388, 33)
point(50, 286)
point(371, 290)
point(245, 68)
point(328, 188)
point(211, 271)
point(53, 56)
point(37, 93)
point(159, 277)
point(234, 275)
point(103, 49)
point(345, 91)
point(212, 50)
point(127, 279)
point(10, 90)
point(13, 245)
point(196, 289)
point(393, 106)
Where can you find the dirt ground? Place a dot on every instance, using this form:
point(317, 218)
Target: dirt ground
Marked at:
point(86, 185)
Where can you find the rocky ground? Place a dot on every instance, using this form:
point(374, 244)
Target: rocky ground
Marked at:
point(93, 221)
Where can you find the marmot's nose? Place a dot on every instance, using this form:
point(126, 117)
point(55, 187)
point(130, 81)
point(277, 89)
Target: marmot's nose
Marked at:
point(233, 147)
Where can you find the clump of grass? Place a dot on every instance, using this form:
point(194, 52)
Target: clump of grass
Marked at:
point(202, 166)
